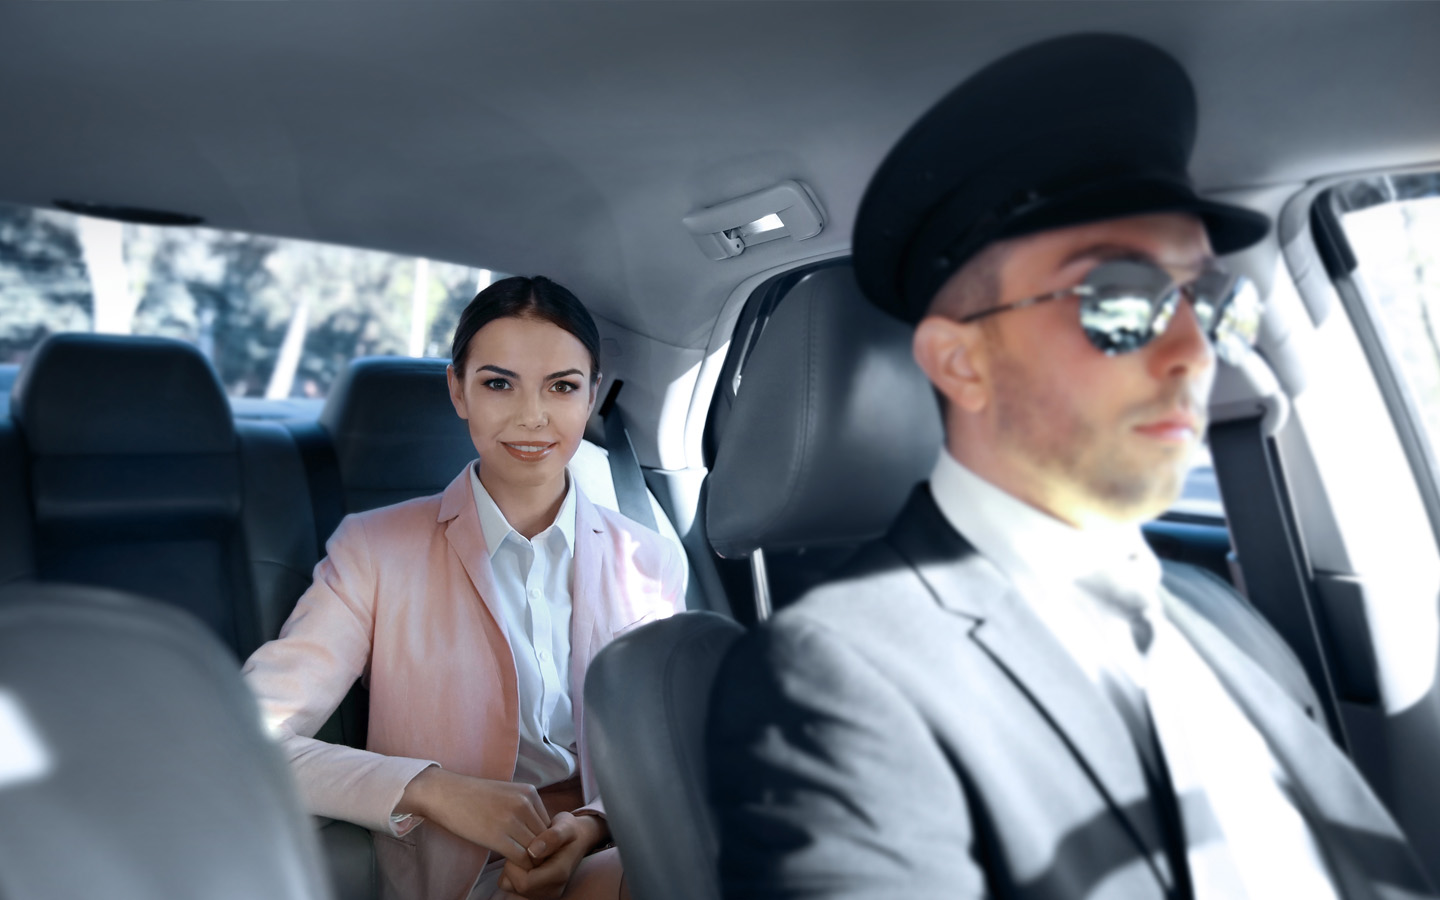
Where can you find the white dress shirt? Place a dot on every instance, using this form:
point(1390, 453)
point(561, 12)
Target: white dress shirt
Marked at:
point(1211, 749)
point(532, 584)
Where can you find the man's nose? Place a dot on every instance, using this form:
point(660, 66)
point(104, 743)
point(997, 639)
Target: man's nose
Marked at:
point(1183, 348)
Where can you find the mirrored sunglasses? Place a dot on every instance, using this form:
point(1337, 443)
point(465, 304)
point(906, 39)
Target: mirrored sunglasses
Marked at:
point(1125, 304)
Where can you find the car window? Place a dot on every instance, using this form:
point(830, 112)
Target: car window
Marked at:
point(279, 318)
point(1392, 225)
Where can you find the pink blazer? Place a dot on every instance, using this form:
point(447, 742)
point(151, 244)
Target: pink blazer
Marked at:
point(402, 599)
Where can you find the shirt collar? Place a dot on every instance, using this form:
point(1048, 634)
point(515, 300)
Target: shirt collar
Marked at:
point(496, 528)
point(1034, 548)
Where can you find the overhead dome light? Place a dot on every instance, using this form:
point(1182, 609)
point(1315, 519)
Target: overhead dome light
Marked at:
point(135, 214)
point(786, 210)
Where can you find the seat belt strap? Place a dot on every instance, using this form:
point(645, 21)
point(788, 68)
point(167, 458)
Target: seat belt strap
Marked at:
point(630, 493)
point(1272, 559)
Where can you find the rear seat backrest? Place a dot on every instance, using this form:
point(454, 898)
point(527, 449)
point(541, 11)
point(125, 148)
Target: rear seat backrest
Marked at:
point(135, 476)
point(395, 434)
point(17, 539)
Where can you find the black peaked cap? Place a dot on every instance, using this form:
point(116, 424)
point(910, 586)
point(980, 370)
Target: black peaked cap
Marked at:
point(1068, 131)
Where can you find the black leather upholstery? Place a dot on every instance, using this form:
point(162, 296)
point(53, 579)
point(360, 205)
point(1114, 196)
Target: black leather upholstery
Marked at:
point(17, 539)
point(834, 423)
point(277, 523)
point(104, 395)
point(647, 696)
point(135, 766)
point(135, 476)
point(395, 434)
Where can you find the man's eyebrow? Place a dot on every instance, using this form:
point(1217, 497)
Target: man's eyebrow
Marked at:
point(1107, 252)
point(554, 375)
point(497, 370)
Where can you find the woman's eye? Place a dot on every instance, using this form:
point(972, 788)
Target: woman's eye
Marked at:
point(498, 384)
point(564, 387)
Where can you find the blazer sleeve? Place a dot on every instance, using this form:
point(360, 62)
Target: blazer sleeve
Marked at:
point(301, 677)
point(827, 781)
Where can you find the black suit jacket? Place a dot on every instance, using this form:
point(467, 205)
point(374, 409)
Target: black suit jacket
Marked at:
point(912, 729)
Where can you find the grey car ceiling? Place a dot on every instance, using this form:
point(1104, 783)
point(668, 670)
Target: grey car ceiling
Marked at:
point(570, 138)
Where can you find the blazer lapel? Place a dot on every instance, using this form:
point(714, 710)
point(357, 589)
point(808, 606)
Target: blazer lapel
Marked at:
point(1366, 849)
point(585, 594)
point(457, 509)
point(967, 584)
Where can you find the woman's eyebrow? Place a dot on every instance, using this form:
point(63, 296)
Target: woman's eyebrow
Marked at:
point(554, 375)
point(499, 371)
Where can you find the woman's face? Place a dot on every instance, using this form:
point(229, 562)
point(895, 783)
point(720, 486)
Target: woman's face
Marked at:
point(526, 394)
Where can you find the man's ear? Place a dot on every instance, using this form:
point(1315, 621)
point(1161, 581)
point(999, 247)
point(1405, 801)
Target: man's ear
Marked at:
point(953, 357)
point(457, 391)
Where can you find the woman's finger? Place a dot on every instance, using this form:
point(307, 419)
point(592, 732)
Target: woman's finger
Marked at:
point(538, 809)
point(515, 852)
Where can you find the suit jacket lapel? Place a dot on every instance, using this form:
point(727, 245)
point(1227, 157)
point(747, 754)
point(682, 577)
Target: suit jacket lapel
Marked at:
point(967, 584)
point(457, 508)
point(1366, 850)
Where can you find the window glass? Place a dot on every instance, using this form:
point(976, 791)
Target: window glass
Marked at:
point(1392, 224)
point(278, 318)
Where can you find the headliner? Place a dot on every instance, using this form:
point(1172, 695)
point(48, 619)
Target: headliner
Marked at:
point(569, 139)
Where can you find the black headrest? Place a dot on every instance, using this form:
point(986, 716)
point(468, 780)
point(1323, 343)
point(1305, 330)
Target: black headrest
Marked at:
point(97, 394)
point(393, 427)
point(833, 425)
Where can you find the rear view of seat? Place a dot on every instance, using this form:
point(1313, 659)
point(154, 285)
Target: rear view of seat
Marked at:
point(822, 466)
point(133, 765)
point(137, 481)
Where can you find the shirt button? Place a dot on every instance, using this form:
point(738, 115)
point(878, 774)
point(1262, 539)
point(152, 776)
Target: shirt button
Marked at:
point(544, 654)
point(534, 593)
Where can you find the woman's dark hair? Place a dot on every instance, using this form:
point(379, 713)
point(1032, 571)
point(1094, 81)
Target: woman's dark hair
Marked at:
point(519, 297)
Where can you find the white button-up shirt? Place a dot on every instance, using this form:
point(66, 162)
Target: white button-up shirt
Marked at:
point(533, 581)
point(1269, 850)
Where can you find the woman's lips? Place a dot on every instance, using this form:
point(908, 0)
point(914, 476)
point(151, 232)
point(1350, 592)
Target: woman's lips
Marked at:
point(529, 452)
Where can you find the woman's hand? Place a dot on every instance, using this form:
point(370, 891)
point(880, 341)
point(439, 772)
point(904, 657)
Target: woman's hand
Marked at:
point(554, 855)
point(501, 816)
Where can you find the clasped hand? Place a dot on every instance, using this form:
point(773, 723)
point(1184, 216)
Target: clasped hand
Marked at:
point(507, 818)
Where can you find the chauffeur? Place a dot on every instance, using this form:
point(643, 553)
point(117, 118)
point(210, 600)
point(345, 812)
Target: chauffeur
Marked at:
point(1002, 697)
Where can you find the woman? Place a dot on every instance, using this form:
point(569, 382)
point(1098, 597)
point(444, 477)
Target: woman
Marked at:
point(473, 615)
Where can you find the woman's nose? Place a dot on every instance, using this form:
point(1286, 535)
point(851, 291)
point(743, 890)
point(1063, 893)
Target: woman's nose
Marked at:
point(532, 412)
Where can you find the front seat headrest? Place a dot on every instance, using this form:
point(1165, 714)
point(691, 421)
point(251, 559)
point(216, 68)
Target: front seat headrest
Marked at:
point(118, 395)
point(832, 427)
point(396, 436)
point(121, 716)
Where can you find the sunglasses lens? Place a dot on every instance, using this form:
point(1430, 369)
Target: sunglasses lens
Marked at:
point(1124, 304)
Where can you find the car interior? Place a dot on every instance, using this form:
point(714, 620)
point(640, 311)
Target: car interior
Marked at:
point(692, 172)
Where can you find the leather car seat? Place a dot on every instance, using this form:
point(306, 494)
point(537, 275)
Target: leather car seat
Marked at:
point(133, 764)
point(135, 476)
point(833, 427)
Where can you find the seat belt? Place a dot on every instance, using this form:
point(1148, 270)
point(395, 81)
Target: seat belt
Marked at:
point(1267, 541)
point(630, 493)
